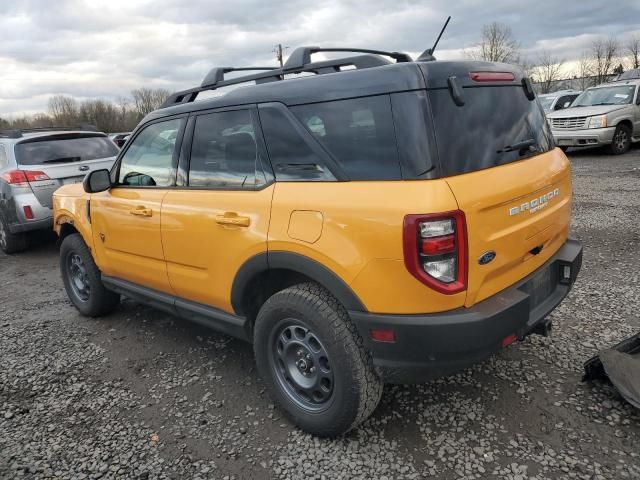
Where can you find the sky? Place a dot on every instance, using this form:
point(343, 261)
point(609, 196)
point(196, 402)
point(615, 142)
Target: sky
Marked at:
point(104, 49)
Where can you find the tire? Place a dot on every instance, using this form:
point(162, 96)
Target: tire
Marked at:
point(81, 278)
point(11, 242)
point(621, 140)
point(306, 318)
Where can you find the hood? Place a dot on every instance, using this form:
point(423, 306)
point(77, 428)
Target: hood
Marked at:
point(71, 190)
point(585, 111)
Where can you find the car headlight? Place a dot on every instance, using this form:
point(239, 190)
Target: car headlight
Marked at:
point(599, 121)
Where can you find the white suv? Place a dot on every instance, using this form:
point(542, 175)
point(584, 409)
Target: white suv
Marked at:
point(33, 164)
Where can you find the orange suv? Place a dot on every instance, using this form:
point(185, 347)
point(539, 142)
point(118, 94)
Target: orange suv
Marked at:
point(376, 219)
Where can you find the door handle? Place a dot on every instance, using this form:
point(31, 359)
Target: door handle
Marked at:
point(232, 218)
point(141, 211)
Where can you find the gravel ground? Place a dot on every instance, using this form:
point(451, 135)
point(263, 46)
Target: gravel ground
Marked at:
point(141, 394)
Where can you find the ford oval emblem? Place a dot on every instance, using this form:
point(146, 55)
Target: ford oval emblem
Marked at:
point(487, 257)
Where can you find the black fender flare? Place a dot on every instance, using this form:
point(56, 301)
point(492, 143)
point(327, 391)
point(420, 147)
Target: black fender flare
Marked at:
point(280, 260)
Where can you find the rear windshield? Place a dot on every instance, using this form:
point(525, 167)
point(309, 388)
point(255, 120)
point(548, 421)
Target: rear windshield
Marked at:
point(64, 148)
point(496, 125)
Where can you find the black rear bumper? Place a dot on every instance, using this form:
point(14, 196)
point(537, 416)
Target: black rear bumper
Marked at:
point(432, 345)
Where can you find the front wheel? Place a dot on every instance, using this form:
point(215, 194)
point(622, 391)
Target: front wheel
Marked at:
point(82, 281)
point(313, 361)
point(621, 140)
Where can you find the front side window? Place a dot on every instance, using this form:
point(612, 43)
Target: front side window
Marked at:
point(358, 132)
point(224, 152)
point(149, 160)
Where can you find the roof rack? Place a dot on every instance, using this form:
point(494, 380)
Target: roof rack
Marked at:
point(19, 132)
point(298, 62)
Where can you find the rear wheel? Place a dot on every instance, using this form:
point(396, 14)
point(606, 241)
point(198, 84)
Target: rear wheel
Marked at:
point(11, 242)
point(312, 358)
point(81, 278)
point(621, 140)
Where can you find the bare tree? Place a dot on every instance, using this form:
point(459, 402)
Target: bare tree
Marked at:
point(547, 71)
point(497, 45)
point(632, 47)
point(585, 71)
point(604, 53)
point(63, 109)
point(147, 100)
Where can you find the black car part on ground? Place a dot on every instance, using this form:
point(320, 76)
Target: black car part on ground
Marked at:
point(620, 366)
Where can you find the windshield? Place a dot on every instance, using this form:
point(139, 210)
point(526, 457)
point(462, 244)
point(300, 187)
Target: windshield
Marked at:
point(68, 147)
point(618, 95)
point(546, 103)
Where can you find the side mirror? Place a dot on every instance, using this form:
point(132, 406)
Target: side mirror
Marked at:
point(97, 181)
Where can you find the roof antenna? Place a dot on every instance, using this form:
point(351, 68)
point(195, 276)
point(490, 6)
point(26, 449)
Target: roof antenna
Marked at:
point(427, 55)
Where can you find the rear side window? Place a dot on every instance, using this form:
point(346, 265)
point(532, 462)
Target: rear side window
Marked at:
point(292, 156)
point(495, 126)
point(224, 152)
point(3, 157)
point(64, 148)
point(359, 133)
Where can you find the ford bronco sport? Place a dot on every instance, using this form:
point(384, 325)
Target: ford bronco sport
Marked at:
point(375, 222)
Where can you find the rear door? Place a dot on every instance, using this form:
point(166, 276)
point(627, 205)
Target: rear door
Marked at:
point(218, 217)
point(497, 156)
point(63, 158)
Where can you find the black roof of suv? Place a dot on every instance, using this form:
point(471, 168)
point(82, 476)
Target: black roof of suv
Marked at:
point(433, 136)
point(357, 76)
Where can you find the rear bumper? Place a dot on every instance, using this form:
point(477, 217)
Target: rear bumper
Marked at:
point(590, 137)
point(432, 345)
point(18, 222)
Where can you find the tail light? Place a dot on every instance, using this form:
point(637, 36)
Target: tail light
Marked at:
point(19, 177)
point(435, 250)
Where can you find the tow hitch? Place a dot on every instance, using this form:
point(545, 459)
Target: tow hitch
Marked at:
point(620, 366)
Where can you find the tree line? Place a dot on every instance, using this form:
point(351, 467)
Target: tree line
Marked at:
point(121, 115)
point(603, 58)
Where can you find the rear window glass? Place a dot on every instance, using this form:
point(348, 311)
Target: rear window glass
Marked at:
point(63, 149)
point(224, 151)
point(496, 125)
point(359, 133)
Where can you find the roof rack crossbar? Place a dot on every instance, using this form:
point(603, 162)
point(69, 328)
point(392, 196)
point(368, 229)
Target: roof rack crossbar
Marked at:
point(302, 56)
point(215, 77)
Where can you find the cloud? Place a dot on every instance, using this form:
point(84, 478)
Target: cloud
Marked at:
point(91, 49)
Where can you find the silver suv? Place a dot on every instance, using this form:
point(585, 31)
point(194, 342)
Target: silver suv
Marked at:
point(33, 164)
point(608, 114)
point(557, 100)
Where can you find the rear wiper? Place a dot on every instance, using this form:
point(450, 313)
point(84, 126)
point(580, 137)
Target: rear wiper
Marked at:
point(63, 159)
point(520, 146)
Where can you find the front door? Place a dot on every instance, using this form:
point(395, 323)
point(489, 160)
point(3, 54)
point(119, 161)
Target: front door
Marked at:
point(126, 218)
point(219, 218)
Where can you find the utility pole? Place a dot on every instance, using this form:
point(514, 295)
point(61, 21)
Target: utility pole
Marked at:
point(278, 51)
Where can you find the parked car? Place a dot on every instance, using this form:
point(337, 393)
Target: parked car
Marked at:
point(608, 114)
point(33, 164)
point(119, 138)
point(388, 222)
point(557, 100)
